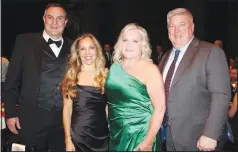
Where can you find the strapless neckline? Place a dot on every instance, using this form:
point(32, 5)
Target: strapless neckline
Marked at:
point(86, 86)
point(89, 127)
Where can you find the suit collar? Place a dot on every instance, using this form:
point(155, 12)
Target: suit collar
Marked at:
point(40, 45)
point(65, 48)
point(186, 60)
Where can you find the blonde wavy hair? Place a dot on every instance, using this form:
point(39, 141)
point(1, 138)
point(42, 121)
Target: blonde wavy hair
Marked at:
point(74, 68)
point(145, 45)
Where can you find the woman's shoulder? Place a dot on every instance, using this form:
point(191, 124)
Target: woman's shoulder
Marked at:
point(148, 66)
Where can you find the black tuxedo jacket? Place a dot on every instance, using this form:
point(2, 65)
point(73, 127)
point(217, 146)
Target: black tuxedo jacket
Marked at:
point(23, 76)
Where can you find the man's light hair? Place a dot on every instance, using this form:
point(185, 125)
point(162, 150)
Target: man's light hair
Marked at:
point(179, 11)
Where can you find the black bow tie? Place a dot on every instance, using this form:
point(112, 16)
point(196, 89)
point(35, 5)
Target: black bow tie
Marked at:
point(57, 43)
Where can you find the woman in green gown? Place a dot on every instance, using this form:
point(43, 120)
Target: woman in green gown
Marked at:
point(135, 92)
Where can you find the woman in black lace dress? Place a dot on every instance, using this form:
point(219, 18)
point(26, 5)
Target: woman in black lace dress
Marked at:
point(84, 115)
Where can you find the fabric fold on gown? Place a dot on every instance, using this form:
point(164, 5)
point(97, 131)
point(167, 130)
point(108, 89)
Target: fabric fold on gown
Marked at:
point(89, 127)
point(129, 110)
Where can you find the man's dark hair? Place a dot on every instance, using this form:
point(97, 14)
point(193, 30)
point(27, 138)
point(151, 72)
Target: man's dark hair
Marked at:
point(56, 5)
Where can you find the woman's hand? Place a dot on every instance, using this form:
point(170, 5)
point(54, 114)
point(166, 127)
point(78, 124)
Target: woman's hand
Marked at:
point(144, 146)
point(69, 146)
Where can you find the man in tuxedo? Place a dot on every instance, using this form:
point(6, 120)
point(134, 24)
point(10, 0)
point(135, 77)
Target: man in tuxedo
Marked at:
point(197, 88)
point(108, 55)
point(33, 81)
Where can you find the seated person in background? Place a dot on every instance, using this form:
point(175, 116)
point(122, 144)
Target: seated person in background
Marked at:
point(4, 66)
point(232, 62)
point(233, 78)
point(233, 115)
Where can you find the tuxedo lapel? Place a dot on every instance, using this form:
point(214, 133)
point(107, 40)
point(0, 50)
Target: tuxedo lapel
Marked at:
point(40, 45)
point(186, 60)
point(65, 48)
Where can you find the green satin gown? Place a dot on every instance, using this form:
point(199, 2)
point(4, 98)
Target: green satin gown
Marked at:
point(129, 111)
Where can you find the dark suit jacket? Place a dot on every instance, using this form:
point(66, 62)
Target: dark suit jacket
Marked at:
point(108, 61)
point(23, 78)
point(199, 95)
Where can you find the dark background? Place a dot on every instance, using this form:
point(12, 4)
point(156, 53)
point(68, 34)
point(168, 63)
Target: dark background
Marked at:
point(214, 19)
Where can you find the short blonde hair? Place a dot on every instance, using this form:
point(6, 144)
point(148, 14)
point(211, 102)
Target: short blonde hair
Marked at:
point(179, 11)
point(145, 45)
point(74, 68)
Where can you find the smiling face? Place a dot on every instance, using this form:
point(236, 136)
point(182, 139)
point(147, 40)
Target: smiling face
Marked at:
point(55, 21)
point(131, 44)
point(87, 51)
point(180, 29)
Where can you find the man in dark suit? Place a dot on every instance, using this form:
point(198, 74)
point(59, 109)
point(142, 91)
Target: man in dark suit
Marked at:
point(197, 88)
point(159, 51)
point(108, 55)
point(33, 81)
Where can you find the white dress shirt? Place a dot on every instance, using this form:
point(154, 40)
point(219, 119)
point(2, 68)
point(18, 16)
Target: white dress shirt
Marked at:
point(53, 46)
point(171, 58)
